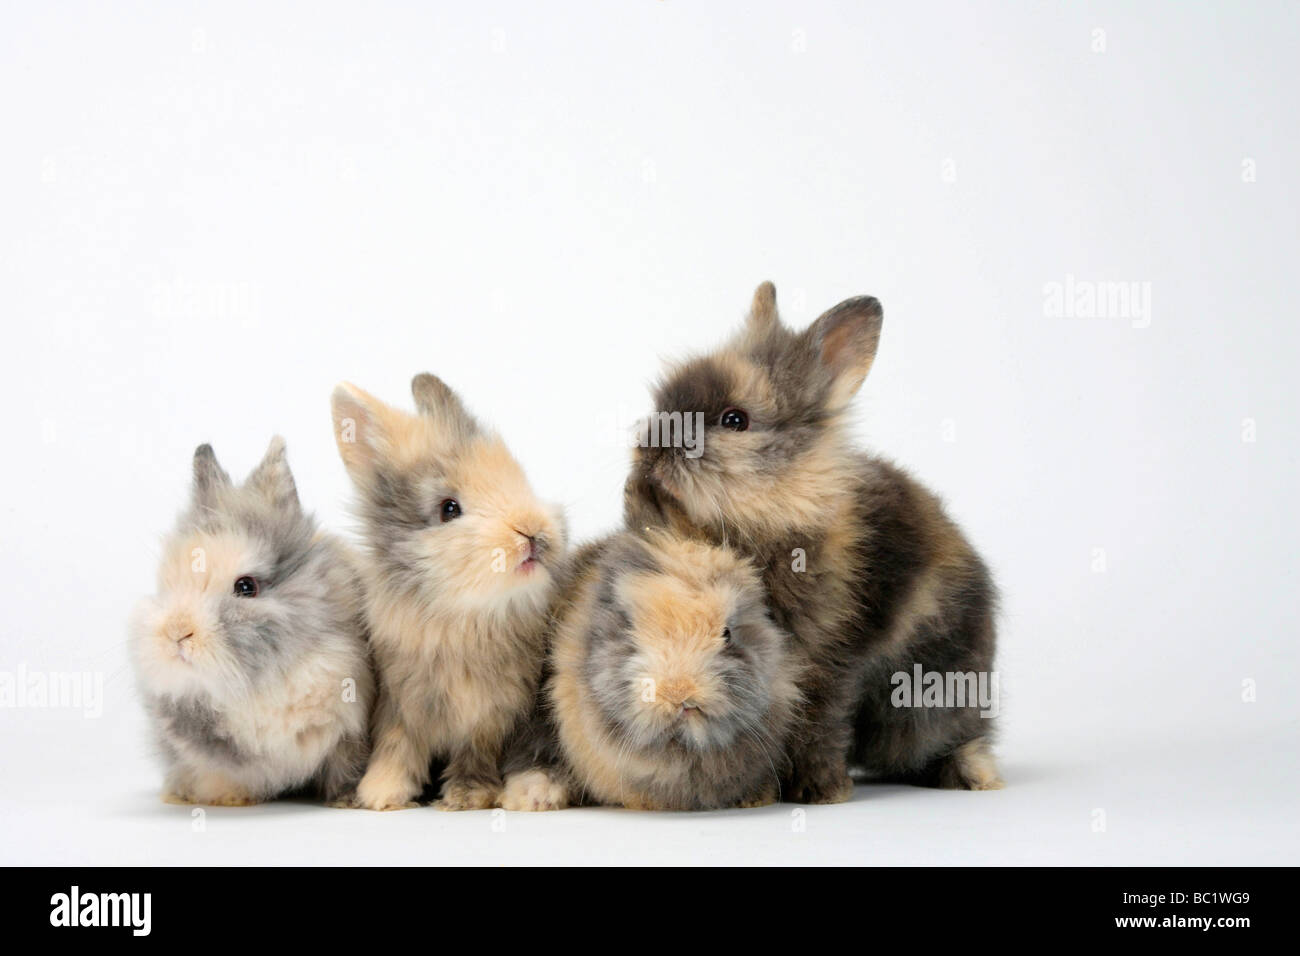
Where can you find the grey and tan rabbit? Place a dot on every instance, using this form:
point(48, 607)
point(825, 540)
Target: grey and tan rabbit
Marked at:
point(670, 688)
point(252, 656)
point(860, 562)
point(460, 555)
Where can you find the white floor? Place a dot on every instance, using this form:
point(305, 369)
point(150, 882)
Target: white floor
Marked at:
point(1095, 798)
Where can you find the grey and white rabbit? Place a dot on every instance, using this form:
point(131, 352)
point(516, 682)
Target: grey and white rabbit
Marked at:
point(669, 688)
point(460, 557)
point(252, 656)
point(859, 561)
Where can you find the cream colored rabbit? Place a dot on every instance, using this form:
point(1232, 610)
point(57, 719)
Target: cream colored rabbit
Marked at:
point(459, 574)
point(252, 656)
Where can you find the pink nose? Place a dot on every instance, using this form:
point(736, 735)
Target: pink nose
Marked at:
point(535, 544)
point(179, 628)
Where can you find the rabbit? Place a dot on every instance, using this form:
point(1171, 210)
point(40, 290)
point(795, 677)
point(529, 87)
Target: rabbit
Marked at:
point(861, 564)
point(460, 557)
point(669, 686)
point(252, 657)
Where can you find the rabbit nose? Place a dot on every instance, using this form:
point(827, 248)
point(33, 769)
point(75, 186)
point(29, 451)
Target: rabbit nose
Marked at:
point(537, 543)
point(677, 692)
point(180, 628)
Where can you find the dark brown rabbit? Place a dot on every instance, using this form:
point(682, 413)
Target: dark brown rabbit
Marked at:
point(860, 563)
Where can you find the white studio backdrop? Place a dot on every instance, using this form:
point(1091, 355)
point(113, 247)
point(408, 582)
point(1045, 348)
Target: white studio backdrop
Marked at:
point(1081, 220)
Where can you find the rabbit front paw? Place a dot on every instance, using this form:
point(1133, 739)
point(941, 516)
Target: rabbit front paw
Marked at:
point(459, 795)
point(381, 791)
point(533, 790)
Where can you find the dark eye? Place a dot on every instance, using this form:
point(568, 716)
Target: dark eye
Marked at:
point(726, 635)
point(450, 508)
point(246, 587)
point(735, 419)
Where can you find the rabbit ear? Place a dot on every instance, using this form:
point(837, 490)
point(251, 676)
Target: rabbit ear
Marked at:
point(272, 478)
point(845, 339)
point(209, 477)
point(762, 313)
point(363, 429)
point(434, 398)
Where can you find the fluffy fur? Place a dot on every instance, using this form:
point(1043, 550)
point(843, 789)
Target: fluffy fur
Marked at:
point(860, 562)
point(670, 687)
point(251, 697)
point(456, 607)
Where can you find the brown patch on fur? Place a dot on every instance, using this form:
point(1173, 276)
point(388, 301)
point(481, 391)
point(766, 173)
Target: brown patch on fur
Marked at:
point(947, 558)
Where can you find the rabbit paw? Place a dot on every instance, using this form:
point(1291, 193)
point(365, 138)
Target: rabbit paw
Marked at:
point(764, 799)
point(234, 798)
point(375, 793)
point(385, 802)
point(467, 796)
point(971, 767)
point(205, 788)
point(823, 788)
point(639, 801)
point(533, 790)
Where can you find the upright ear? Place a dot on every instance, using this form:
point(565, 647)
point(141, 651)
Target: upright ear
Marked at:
point(272, 478)
point(762, 312)
point(844, 340)
point(363, 429)
point(209, 477)
point(435, 399)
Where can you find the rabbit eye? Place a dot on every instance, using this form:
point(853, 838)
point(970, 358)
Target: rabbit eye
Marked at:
point(246, 587)
point(735, 419)
point(450, 508)
point(726, 635)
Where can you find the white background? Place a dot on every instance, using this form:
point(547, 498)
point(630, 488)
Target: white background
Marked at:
point(213, 214)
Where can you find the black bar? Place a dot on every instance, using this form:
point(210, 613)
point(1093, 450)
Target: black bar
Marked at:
point(213, 905)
